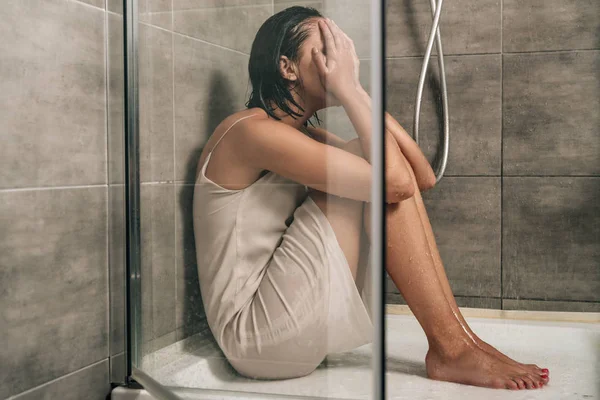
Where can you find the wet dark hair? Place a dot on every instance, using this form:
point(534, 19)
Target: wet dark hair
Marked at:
point(280, 35)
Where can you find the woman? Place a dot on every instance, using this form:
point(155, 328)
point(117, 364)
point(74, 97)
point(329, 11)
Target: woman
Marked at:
point(280, 207)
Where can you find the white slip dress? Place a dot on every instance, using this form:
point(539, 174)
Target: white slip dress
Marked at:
point(276, 287)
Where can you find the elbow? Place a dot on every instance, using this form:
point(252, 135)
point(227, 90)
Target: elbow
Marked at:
point(399, 190)
point(428, 183)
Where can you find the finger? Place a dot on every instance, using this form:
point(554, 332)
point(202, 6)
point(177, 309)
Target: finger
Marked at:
point(352, 45)
point(328, 33)
point(319, 59)
point(330, 26)
point(329, 43)
point(339, 35)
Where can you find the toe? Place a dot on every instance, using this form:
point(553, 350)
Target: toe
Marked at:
point(519, 381)
point(528, 382)
point(512, 384)
point(542, 381)
point(537, 381)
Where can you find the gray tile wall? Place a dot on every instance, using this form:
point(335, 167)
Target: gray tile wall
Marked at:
point(56, 204)
point(516, 216)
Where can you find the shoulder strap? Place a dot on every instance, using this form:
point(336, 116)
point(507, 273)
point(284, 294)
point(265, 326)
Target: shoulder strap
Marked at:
point(228, 129)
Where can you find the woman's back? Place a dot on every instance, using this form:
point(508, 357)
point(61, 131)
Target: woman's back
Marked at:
point(276, 286)
point(236, 233)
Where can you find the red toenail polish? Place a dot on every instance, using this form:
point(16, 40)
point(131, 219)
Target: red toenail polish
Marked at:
point(545, 369)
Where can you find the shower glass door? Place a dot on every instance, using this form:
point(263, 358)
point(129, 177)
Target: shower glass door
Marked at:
point(187, 77)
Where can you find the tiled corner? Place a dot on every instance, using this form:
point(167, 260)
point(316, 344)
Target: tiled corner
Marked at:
point(158, 259)
point(230, 27)
point(116, 262)
point(156, 104)
point(54, 284)
point(550, 305)
point(551, 231)
point(115, 6)
point(90, 383)
point(211, 83)
point(551, 118)
point(538, 25)
point(466, 27)
point(55, 103)
point(150, 361)
point(153, 12)
point(190, 313)
point(95, 3)
point(118, 368)
point(156, 12)
point(115, 105)
point(475, 103)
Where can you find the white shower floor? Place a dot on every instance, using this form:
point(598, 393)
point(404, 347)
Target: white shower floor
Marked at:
point(571, 351)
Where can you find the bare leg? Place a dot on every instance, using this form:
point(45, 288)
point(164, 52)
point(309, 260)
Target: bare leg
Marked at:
point(453, 354)
point(532, 368)
point(344, 216)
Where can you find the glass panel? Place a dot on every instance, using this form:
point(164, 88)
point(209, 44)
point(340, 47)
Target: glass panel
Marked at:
point(513, 224)
point(255, 258)
point(116, 191)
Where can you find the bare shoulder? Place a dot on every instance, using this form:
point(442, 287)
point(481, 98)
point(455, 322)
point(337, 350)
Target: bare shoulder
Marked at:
point(255, 134)
point(233, 121)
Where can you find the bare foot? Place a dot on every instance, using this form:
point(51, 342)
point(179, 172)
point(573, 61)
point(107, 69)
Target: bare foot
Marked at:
point(472, 366)
point(531, 368)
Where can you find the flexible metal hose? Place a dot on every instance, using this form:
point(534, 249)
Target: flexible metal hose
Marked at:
point(436, 11)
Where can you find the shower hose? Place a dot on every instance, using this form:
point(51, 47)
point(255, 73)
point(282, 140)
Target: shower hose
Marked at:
point(436, 10)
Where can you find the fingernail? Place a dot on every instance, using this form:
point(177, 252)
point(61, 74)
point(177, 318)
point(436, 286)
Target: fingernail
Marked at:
point(315, 50)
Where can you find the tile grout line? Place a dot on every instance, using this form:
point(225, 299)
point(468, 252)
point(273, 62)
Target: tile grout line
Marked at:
point(32, 188)
point(501, 153)
point(512, 53)
point(87, 4)
point(542, 300)
point(176, 275)
point(183, 182)
point(242, 6)
point(194, 38)
point(55, 380)
point(108, 192)
point(106, 113)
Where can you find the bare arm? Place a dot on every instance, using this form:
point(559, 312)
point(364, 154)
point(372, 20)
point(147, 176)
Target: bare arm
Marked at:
point(359, 111)
point(324, 136)
point(410, 149)
point(277, 147)
point(423, 172)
